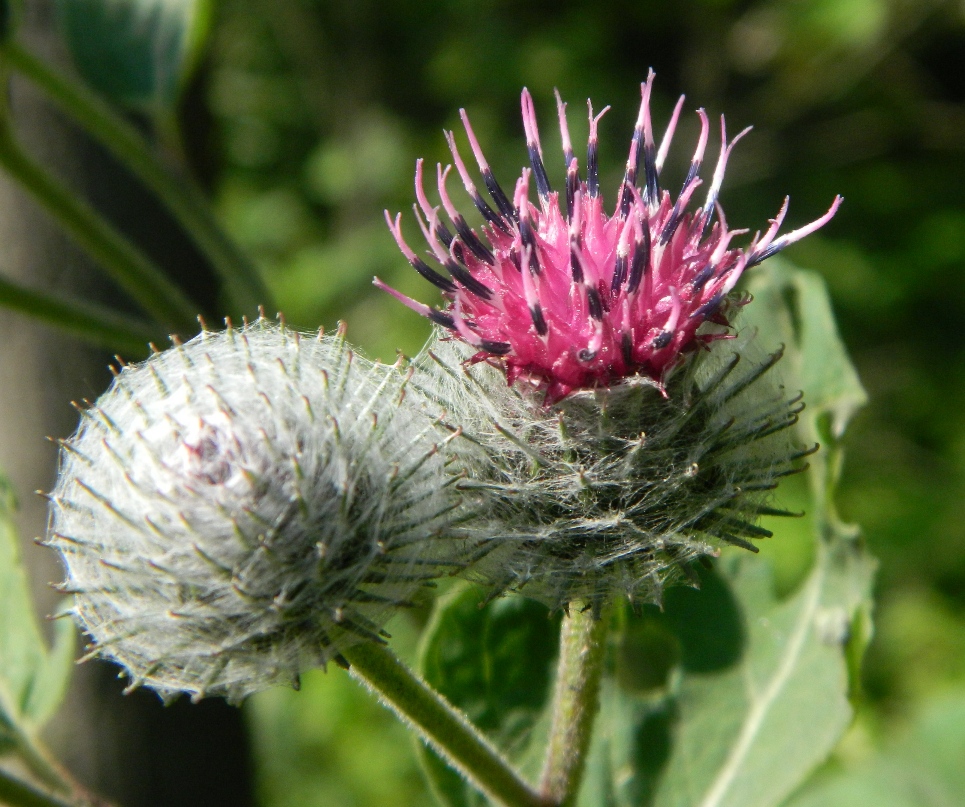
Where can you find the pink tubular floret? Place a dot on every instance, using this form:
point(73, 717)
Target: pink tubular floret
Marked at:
point(567, 297)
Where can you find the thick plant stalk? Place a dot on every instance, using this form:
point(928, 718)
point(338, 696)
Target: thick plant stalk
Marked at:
point(440, 725)
point(576, 702)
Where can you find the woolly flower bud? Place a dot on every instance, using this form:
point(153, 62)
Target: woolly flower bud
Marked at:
point(244, 506)
point(616, 490)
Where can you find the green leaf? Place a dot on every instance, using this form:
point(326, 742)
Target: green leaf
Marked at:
point(496, 664)
point(744, 720)
point(731, 696)
point(922, 769)
point(138, 53)
point(32, 678)
point(791, 306)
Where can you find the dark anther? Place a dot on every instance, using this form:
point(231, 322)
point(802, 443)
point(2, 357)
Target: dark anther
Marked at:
point(702, 277)
point(586, 355)
point(592, 171)
point(619, 272)
point(662, 339)
point(539, 321)
point(464, 277)
point(539, 172)
point(708, 308)
point(650, 170)
point(594, 302)
point(641, 260)
point(496, 348)
point(691, 174)
point(432, 275)
point(442, 319)
point(764, 254)
point(471, 240)
point(514, 257)
point(504, 205)
point(529, 240)
point(572, 186)
point(489, 214)
point(672, 223)
point(626, 345)
point(575, 267)
point(442, 233)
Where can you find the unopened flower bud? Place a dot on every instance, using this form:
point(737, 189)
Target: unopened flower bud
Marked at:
point(242, 507)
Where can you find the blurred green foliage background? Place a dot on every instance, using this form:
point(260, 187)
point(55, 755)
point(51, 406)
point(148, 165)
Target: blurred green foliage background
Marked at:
point(305, 119)
point(308, 116)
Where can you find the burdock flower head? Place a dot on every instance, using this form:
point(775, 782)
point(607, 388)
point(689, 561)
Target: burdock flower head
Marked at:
point(630, 439)
point(243, 506)
point(579, 299)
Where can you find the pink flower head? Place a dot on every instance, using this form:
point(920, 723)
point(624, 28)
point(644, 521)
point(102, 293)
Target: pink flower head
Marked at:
point(582, 299)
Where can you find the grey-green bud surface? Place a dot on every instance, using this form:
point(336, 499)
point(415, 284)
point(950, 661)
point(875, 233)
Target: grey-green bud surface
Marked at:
point(242, 507)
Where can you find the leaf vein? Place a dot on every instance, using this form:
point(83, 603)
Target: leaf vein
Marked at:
point(760, 707)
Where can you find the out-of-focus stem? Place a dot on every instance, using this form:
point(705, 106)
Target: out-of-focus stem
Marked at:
point(182, 198)
point(147, 284)
point(99, 325)
point(17, 793)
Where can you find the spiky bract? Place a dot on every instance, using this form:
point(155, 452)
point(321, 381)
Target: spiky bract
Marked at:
point(616, 491)
point(240, 508)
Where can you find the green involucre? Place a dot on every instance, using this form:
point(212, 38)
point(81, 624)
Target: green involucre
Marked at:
point(617, 490)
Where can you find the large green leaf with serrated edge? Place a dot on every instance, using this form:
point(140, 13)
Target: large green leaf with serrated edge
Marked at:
point(493, 662)
point(32, 678)
point(731, 696)
point(136, 52)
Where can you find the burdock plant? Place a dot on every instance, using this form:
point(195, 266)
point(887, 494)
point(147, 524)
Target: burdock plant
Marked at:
point(584, 426)
point(587, 426)
point(615, 427)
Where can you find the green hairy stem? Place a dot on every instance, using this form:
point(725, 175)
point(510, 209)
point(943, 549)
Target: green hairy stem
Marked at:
point(440, 725)
point(576, 702)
